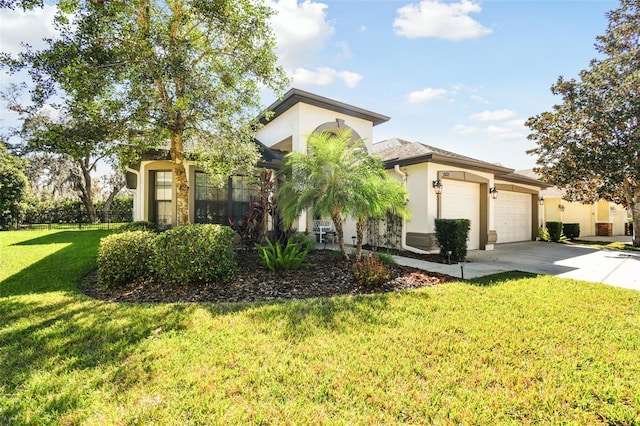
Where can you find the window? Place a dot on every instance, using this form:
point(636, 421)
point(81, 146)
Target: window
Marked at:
point(163, 190)
point(218, 205)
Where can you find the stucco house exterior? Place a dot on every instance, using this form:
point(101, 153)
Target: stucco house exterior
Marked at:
point(602, 218)
point(502, 205)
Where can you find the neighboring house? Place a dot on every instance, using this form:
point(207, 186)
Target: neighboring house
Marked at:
point(465, 182)
point(602, 218)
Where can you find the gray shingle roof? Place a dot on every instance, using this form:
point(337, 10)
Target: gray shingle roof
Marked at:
point(399, 151)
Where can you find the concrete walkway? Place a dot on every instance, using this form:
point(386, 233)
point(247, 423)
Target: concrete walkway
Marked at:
point(613, 267)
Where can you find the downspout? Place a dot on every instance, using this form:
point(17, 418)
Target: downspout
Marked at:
point(404, 245)
point(137, 200)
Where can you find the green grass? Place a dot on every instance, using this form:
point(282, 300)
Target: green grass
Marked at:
point(507, 349)
point(608, 245)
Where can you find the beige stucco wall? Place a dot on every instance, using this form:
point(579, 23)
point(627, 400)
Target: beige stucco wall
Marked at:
point(584, 214)
point(587, 215)
point(298, 122)
point(143, 197)
point(422, 197)
point(302, 119)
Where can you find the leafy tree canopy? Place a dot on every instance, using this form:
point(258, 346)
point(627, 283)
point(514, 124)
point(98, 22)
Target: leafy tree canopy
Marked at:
point(589, 144)
point(182, 74)
point(13, 184)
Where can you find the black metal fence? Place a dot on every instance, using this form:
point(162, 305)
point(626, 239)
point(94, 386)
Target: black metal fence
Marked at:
point(69, 217)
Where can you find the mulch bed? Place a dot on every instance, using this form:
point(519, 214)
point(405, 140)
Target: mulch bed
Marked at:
point(330, 276)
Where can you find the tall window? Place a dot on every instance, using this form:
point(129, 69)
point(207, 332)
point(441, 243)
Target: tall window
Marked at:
point(218, 205)
point(163, 185)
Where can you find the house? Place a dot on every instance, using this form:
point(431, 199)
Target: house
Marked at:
point(502, 205)
point(602, 218)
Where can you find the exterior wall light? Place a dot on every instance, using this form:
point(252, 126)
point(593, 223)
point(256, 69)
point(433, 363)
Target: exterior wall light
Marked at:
point(541, 201)
point(561, 207)
point(493, 191)
point(437, 186)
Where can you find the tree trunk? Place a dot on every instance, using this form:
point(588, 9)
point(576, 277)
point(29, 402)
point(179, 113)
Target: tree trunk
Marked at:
point(635, 215)
point(112, 195)
point(359, 237)
point(86, 190)
point(180, 175)
point(337, 222)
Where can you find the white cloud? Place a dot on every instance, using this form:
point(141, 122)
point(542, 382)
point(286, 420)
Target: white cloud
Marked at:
point(345, 53)
point(26, 26)
point(497, 115)
point(479, 99)
point(504, 133)
point(437, 19)
point(301, 31)
point(461, 129)
point(426, 95)
point(507, 129)
point(324, 76)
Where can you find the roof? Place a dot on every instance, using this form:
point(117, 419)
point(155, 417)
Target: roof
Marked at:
point(517, 177)
point(295, 96)
point(403, 153)
point(550, 190)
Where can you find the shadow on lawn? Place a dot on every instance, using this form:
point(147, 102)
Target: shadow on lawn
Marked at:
point(500, 278)
point(304, 319)
point(86, 341)
point(48, 337)
point(60, 270)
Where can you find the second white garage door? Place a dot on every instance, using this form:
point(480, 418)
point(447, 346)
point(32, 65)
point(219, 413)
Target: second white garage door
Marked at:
point(461, 200)
point(512, 217)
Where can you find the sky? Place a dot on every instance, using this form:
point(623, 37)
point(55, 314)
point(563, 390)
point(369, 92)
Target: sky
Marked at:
point(459, 75)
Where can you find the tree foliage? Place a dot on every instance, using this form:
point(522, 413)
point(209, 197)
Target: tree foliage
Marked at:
point(337, 178)
point(13, 184)
point(182, 74)
point(589, 144)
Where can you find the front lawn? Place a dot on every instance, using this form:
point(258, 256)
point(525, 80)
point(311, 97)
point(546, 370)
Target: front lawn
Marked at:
point(509, 349)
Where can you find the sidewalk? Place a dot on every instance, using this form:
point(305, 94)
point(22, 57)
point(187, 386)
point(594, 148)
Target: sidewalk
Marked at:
point(464, 270)
point(618, 268)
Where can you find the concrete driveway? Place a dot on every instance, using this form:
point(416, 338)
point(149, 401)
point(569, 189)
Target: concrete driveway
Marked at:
point(613, 267)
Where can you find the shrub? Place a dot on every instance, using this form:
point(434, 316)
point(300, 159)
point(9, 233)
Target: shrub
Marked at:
point(195, 253)
point(125, 257)
point(121, 210)
point(303, 239)
point(452, 235)
point(292, 256)
point(555, 230)
point(386, 258)
point(571, 230)
point(139, 225)
point(371, 271)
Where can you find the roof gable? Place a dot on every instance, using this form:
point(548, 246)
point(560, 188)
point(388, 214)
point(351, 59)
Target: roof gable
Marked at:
point(295, 96)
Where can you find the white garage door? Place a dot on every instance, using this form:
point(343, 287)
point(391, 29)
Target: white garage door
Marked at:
point(461, 200)
point(512, 217)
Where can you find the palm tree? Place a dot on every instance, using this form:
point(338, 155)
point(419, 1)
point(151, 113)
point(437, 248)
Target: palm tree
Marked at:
point(336, 178)
point(380, 197)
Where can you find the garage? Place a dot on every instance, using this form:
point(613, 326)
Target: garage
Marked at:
point(461, 200)
point(512, 218)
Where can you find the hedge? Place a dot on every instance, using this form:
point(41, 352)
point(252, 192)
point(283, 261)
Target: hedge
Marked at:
point(125, 257)
point(571, 230)
point(192, 253)
point(452, 235)
point(555, 230)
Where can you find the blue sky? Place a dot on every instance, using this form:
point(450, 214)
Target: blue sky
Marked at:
point(460, 75)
